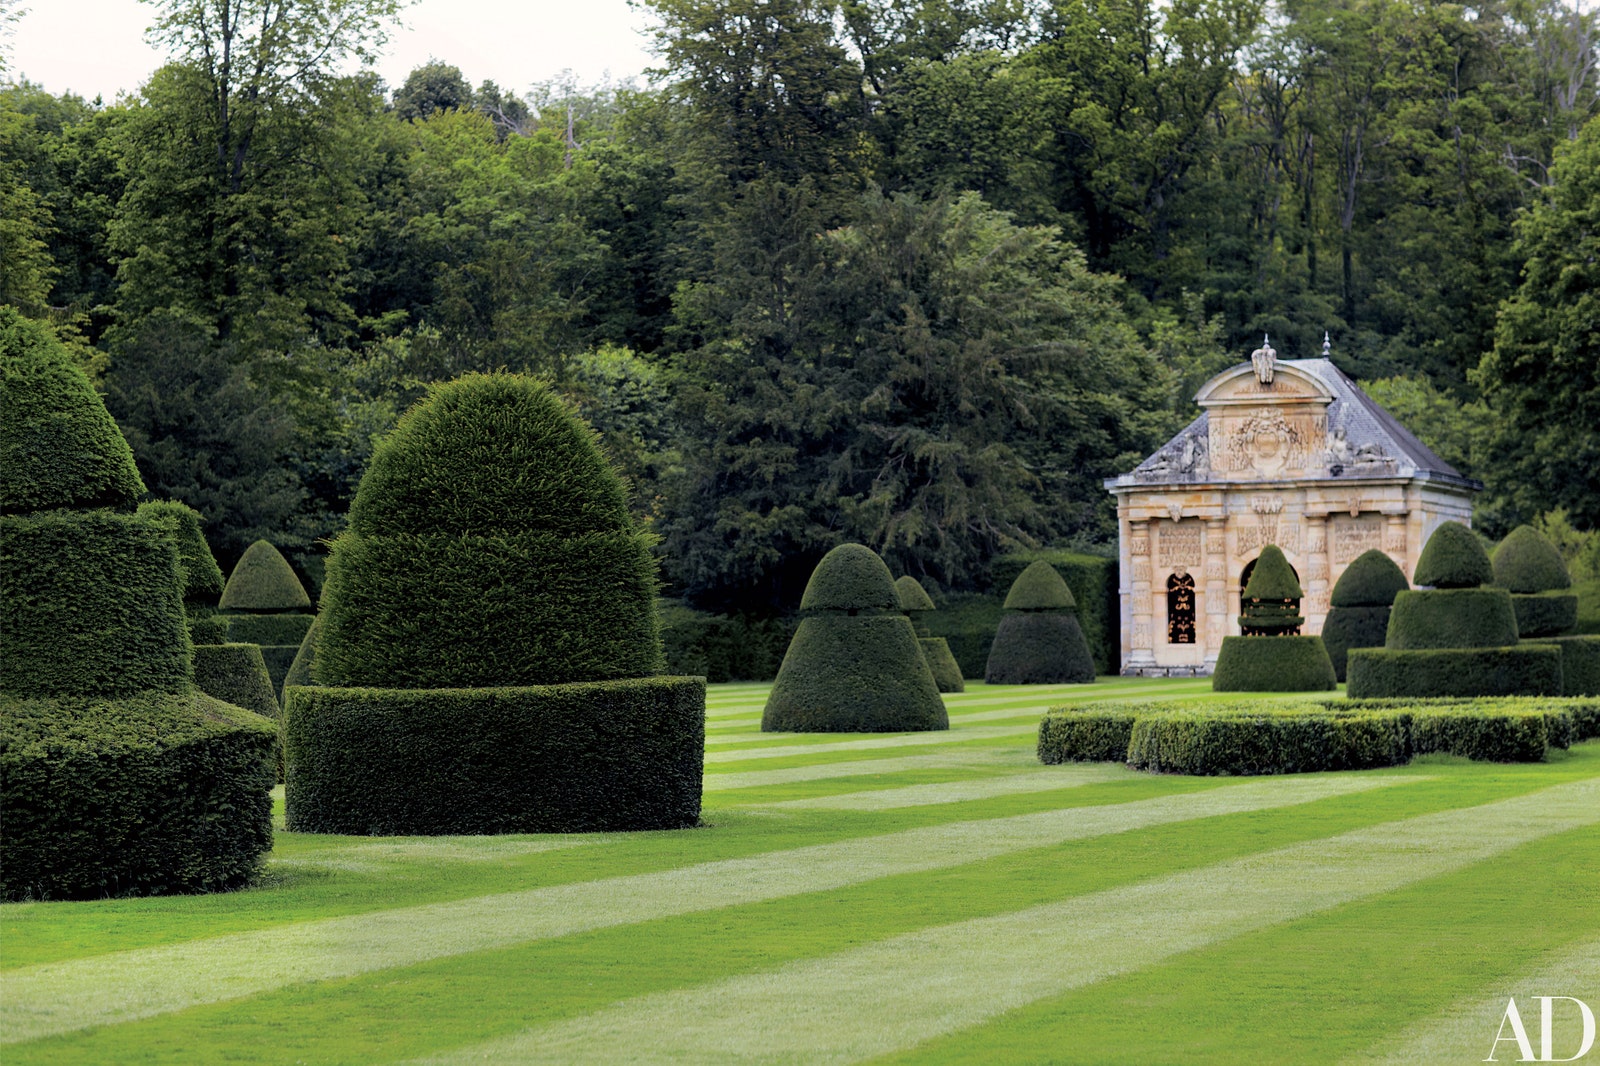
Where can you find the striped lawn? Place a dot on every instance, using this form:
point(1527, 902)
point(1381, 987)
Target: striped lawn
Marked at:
point(926, 897)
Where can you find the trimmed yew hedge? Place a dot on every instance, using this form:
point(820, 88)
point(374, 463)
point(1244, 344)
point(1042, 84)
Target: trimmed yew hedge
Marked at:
point(1544, 614)
point(1519, 670)
point(268, 628)
point(1453, 558)
point(1039, 648)
point(946, 671)
point(1580, 663)
point(1093, 733)
point(263, 580)
point(202, 577)
point(576, 757)
point(155, 793)
point(1093, 580)
point(1352, 627)
point(854, 675)
point(1451, 618)
point(299, 672)
point(208, 629)
point(1201, 742)
point(1527, 562)
point(236, 674)
point(1273, 664)
point(92, 605)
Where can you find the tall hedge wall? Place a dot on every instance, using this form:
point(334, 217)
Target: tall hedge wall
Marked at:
point(576, 757)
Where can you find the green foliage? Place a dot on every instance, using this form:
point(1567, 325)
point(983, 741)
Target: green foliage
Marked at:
point(202, 577)
point(236, 674)
point(1091, 733)
point(851, 578)
point(1453, 558)
point(1273, 664)
point(1526, 561)
point(1272, 578)
point(263, 580)
point(1039, 648)
point(433, 86)
point(1093, 580)
point(854, 675)
point(1239, 742)
point(722, 647)
point(208, 629)
point(942, 664)
point(1547, 615)
point(1371, 580)
point(1452, 618)
point(59, 447)
point(1272, 604)
point(1486, 736)
point(278, 657)
point(93, 606)
point(1353, 627)
point(914, 599)
point(300, 667)
point(147, 794)
point(1039, 588)
point(1580, 664)
point(1526, 670)
point(267, 628)
point(967, 623)
point(584, 757)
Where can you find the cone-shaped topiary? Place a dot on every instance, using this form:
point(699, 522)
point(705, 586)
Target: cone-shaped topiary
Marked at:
point(263, 580)
point(116, 778)
point(854, 665)
point(1272, 597)
point(59, 447)
point(1526, 561)
point(915, 602)
point(1039, 641)
point(1371, 580)
point(202, 577)
point(488, 634)
point(1453, 559)
point(236, 674)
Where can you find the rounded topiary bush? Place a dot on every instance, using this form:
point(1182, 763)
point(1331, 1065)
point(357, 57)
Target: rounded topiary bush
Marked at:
point(486, 649)
point(1371, 580)
point(1526, 561)
point(854, 665)
point(116, 778)
point(263, 580)
point(914, 599)
point(915, 602)
point(1453, 558)
point(1273, 664)
point(1039, 641)
point(1452, 618)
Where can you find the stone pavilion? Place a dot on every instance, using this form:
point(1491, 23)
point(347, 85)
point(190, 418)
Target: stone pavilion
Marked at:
point(1287, 452)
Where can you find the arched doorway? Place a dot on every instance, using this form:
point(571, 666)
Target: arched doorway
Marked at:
point(1180, 608)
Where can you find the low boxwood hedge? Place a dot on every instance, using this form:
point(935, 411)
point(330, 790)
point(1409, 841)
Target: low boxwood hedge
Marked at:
point(946, 671)
point(1452, 618)
point(1547, 614)
point(1039, 648)
point(1524, 670)
point(1243, 743)
point(580, 757)
point(1088, 734)
point(1273, 664)
point(148, 794)
point(1353, 627)
point(1580, 663)
point(236, 674)
point(92, 605)
point(863, 674)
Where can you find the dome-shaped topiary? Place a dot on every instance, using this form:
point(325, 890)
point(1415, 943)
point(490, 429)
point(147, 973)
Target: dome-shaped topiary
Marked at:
point(1040, 588)
point(1371, 580)
point(486, 455)
point(1526, 561)
point(851, 577)
point(1453, 559)
point(202, 577)
point(913, 597)
point(59, 447)
point(264, 581)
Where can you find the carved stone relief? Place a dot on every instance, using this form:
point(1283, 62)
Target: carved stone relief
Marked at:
point(1352, 536)
point(1178, 544)
point(1141, 635)
point(1141, 571)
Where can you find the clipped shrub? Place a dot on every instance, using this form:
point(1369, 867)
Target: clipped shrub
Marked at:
point(1353, 627)
point(1580, 663)
point(1508, 736)
point(854, 665)
point(1039, 641)
point(1453, 558)
point(202, 577)
point(59, 448)
point(576, 757)
point(723, 647)
point(1240, 742)
point(1452, 618)
point(1273, 664)
point(299, 672)
point(1272, 597)
point(1085, 734)
point(487, 635)
point(263, 580)
point(1093, 580)
point(208, 629)
point(287, 629)
point(914, 599)
point(942, 664)
point(1528, 669)
point(1526, 562)
point(1547, 614)
point(967, 622)
point(236, 674)
point(1371, 580)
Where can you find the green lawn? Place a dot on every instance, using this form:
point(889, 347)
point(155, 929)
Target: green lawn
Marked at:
point(925, 897)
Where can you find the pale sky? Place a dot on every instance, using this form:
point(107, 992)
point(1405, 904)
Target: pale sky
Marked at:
point(97, 47)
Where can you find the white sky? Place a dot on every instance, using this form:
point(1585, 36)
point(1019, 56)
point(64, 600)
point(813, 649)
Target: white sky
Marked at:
point(97, 47)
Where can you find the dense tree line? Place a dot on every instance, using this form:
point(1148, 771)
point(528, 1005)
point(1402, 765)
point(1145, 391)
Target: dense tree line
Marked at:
point(917, 273)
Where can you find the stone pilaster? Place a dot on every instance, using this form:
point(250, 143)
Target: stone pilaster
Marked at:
point(1142, 646)
point(1315, 604)
point(1216, 587)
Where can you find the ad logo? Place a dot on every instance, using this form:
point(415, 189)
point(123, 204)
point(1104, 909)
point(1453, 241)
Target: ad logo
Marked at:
point(1519, 1034)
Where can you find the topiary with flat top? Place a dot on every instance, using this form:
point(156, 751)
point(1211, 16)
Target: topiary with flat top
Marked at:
point(1361, 600)
point(116, 778)
point(1532, 569)
point(1453, 558)
point(854, 665)
point(493, 593)
point(1039, 641)
point(915, 602)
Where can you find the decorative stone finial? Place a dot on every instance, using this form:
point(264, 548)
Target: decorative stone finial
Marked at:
point(1327, 346)
point(1264, 359)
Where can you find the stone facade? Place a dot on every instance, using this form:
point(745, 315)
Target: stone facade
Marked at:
point(1285, 452)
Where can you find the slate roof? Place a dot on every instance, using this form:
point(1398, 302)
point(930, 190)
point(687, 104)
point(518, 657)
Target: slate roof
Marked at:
point(1365, 425)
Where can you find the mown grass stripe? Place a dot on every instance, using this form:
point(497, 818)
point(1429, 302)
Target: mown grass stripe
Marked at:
point(38, 1001)
point(888, 799)
point(1465, 1031)
point(805, 743)
point(894, 994)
